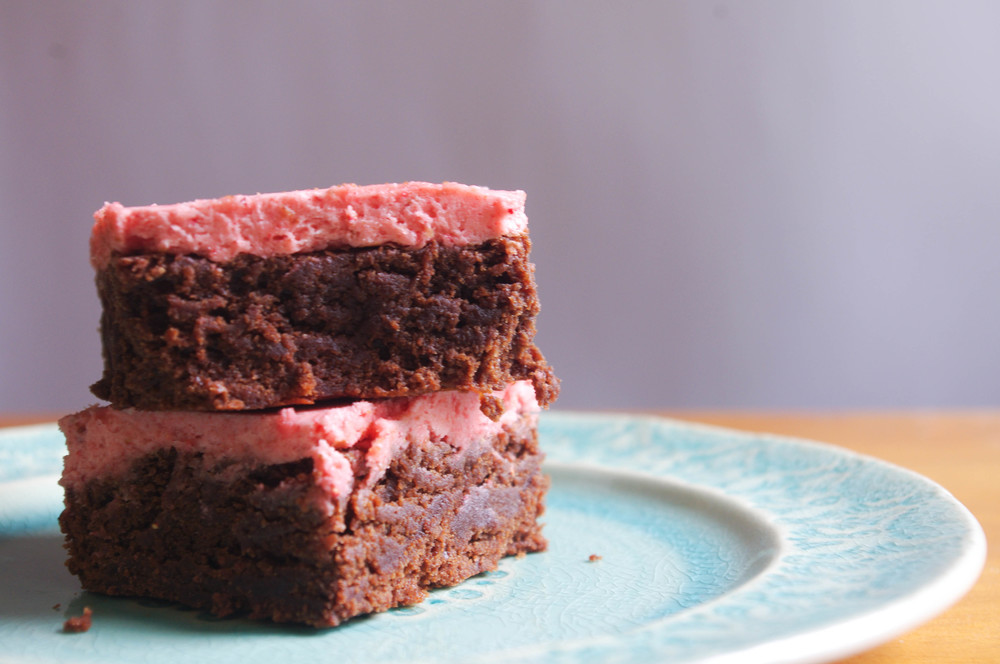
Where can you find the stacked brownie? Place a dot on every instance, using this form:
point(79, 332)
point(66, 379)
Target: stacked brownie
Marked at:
point(323, 402)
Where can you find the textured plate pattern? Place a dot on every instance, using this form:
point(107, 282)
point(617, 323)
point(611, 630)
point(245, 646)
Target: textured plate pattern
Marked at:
point(868, 550)
point(709, 545)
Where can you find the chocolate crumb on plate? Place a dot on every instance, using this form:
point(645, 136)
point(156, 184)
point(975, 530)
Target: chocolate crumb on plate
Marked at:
point(77, 624)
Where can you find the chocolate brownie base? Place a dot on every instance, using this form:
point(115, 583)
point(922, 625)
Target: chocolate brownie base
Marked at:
point(184, 333)
point(260, 542)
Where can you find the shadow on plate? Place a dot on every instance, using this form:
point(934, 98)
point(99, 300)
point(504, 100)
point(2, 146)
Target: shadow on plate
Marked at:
point(36, 585)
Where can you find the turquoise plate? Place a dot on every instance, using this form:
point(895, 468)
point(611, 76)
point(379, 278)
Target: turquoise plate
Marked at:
point(668, 542)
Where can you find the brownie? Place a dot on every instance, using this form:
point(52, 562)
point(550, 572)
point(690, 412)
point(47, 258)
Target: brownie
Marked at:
point(186, 333)
point(258, 541)
point(323, 402)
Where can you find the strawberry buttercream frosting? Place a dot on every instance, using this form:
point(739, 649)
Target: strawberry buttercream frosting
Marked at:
point(408, 214)
point(103, 441)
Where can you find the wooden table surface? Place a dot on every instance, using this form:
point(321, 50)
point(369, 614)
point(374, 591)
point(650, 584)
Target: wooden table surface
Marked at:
point(958, 450)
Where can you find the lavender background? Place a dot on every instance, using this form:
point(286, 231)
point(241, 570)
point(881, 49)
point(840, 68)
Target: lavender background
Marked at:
point(733, 204)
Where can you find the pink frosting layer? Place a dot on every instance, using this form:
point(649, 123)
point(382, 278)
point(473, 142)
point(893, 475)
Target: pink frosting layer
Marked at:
point(103, 441)
point(408, 214)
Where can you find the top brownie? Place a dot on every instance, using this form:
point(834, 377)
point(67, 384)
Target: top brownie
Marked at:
point(251, 302)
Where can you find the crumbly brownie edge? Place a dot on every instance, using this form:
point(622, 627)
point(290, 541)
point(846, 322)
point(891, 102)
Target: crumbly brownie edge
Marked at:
point(257, 541)
point(184, 333)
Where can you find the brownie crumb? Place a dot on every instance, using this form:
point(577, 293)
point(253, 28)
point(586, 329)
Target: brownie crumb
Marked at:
point(78, 624)
point(594, 558)
point(491, 406)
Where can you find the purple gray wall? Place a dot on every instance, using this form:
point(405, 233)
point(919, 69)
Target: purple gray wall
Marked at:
point(733, 204)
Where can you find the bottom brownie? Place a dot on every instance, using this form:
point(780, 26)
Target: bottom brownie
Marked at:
point(267, 541)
